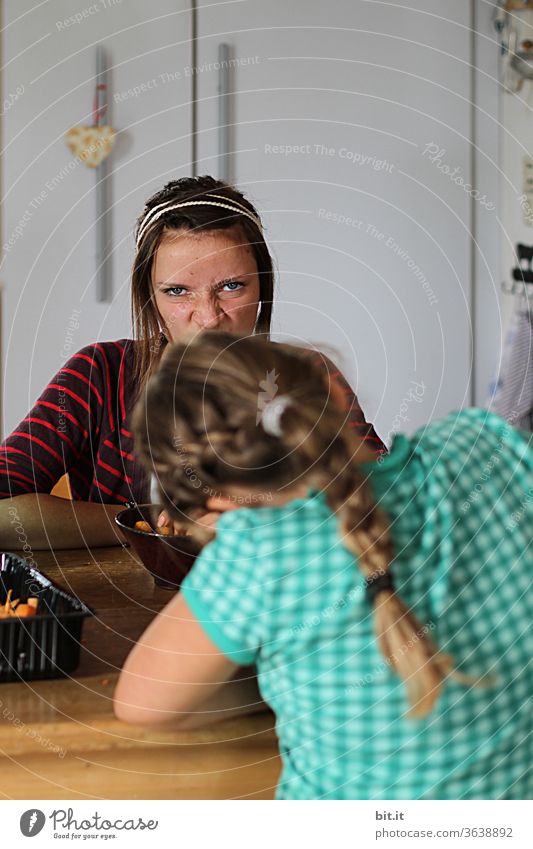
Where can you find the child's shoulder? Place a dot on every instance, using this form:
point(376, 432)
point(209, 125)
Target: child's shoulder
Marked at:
point(470, 433)
point(455, 444)
point(471, 419)
point(459, 430)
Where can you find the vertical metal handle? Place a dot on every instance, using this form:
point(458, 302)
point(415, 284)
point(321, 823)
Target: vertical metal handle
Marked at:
point(223, 113)
point(100, 193)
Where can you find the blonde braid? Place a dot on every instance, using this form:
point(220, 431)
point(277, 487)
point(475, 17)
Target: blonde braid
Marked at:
point(364, 528)
point(402, 639)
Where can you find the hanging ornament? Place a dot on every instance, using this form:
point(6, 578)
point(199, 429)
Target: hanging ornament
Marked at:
point(93, 144)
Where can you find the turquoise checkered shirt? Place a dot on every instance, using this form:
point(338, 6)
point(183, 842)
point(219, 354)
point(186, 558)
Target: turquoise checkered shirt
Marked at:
point(278, 588)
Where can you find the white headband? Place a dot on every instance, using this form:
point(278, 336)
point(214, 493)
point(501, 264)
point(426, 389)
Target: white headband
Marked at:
point(220, 201)
point(272, 413)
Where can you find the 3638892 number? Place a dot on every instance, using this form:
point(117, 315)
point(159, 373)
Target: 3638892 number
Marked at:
point(482, 831)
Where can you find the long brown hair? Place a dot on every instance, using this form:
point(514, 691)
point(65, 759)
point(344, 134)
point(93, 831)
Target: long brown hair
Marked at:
point(197, 428)
point(198, 218)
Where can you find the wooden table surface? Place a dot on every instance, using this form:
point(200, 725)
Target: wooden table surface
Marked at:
point(60, 740)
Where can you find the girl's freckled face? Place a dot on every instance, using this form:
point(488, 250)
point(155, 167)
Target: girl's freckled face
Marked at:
point(207, 281)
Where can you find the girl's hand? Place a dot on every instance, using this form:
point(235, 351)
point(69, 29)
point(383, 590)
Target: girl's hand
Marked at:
point(164, 521)
point(208, 521)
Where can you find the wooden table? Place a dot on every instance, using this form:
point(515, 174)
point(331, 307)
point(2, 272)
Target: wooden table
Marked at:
point(60, 740)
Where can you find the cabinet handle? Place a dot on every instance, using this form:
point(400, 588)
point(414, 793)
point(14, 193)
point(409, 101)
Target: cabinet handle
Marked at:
point(101, 185)
point(223, 113)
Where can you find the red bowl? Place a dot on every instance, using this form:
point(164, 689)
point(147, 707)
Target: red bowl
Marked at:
point(167, 558)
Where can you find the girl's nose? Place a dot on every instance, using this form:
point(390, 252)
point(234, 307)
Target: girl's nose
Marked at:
point(207, 313)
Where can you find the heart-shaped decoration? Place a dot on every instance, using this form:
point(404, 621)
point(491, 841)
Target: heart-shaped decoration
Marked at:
point(91, 144)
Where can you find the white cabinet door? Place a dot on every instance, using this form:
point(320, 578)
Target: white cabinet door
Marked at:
point(350, 129)
point(48, 196)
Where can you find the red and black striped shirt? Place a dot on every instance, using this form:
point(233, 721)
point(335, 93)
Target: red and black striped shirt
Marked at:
point(80, 425)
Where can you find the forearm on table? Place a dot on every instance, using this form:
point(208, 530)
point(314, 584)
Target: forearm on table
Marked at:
point(238, 697)
point(41, 521)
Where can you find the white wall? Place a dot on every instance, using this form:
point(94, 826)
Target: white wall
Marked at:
point(380, 81)
point(48, 272)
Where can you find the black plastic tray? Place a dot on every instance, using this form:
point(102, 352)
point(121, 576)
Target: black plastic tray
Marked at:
point(46, 645)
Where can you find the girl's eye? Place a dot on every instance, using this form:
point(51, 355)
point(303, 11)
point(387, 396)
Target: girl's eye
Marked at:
point(174, 290)
point(180, 292)
point(233, 286)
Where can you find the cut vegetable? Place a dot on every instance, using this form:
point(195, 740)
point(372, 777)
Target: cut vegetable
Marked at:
point(13, 607)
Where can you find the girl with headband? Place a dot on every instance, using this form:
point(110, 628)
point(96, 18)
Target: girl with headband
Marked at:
point(201, 263)
point(386, 603)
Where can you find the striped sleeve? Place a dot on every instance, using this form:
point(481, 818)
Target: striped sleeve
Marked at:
point(57, 434)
